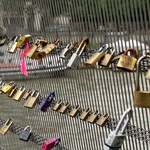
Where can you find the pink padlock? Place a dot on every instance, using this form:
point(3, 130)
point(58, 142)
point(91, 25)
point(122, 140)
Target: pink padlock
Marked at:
point(48, 145)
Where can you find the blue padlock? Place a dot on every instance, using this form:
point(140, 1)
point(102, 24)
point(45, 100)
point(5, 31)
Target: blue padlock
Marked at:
point(46, 102)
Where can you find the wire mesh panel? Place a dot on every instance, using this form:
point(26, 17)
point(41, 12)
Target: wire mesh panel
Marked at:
point(104, 90)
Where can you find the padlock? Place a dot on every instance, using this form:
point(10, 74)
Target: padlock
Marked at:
point(27, 94)
point(148, 73)
point(48, 145)
point(93, 117)
point(23, 39)
point(127, 63)
point(141, 98)
point(85, 114)
point(1, 85)
point(12, 92)
point(46, 102)
point(47, 49)
point(74, 111)
point(3, 40)
point(65, 52)
point(64, 108)
point(106, 60)
point(32, 50)
point(6, 126)
point(75, 58)
point(57, 105)
point(19, 94)
point(103, 119)
point(31, 101)
point(96, 57)
point(6, 88)
point(12, 46)
point(116, 137)
point(25, 134)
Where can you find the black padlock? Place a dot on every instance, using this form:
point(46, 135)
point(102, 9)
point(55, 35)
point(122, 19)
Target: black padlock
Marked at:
point(25, 134)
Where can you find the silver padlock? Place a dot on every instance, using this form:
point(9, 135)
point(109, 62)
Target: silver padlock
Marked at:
point(65, 52)
point(75, 58)
point(116, 137)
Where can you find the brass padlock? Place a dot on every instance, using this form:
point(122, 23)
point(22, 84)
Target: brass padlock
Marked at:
point(26, 94)
point(31, 101)
point(127, 63)
point(12, 45)
point(103, 119)
point(47, 49)
point(74, 111)
point(35, 48)
point(63, 108)
point(6, 126)
point(85, 114)
point(19, 94)
point(96, 57)
point(75, 59)
point(141, 98)
point(6, 88)
point(106, 60)
point(57, 105)
point(93, 117)
point(23, 39)
point(148, 73)
point(12, 92)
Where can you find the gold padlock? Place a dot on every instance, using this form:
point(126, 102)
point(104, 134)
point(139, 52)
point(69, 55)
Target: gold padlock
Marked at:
point(127, 63)
point(141, 98)
point(64, 108)
point(106, 60)
point(57, 105)
point(6, 88)
point(23, 40)
point(148, 73)
point(26, 94)
point(31, 101)
point(74, 111)
point(47, 49)
point(93, 117)
point(19, 94)
point(3, 39)
point(6, 126)
point(96, 57)
point(38, 45)
point(12, 92)
point(103, 119)
point(85, 114)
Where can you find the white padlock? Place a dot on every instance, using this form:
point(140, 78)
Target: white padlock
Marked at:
point(116, 137)
point(75, 58)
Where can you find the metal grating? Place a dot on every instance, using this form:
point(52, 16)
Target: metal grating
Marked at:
point(122, 24)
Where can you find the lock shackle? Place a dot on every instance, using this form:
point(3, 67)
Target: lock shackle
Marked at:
point(52, 94)
point(34, 92)
point(82, 46)
point(56, 42)
point(136, 54)
point(128, 113)
point(8, 122)
point(22, 88)
point(137, 87)
point(102, 49)
point(68, 45)
point(27, 128)
point(108, 50)
point(105, 115)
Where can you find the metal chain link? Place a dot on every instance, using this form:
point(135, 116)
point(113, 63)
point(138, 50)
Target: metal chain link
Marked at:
point(132, 131)
point(36, 138)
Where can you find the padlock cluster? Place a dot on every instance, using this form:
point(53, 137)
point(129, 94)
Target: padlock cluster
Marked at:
point(40, 48)
point(33, 97)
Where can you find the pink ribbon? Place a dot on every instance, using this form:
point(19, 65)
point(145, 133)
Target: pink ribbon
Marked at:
point(23, 66)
